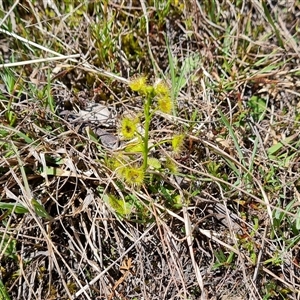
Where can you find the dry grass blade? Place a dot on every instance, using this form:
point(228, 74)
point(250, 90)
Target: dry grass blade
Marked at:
point(34, 61)
point(188, 229)
point(94, 280)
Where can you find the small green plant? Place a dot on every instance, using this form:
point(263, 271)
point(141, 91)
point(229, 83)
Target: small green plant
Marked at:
point(223, 259)
point(105, 41)
point(213, 168)
point(258, 108)
point(156, 97)
point(181, 74)
point(121, 207)
point(10, 82)
point(173, 200)
point(135, 162)
point(247, 241)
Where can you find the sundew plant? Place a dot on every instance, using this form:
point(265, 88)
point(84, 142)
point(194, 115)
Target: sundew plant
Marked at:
point(156, 97)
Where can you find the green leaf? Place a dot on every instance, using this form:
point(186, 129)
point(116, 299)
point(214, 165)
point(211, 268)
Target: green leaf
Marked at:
point(53, 171)
point(253, 258)
point(10, 246)
point(17, 207)
point(275, 148)
point(40, 210)
point(3, 292)
point(258, 107)
point(269, 18)
point(154, 163)
point(172, 199)
point(190, 64)
point(27, 139)
point(120, 206)
point(233, 136)
point(91, 135)
point(11, 117)
point(134, 147)
point(177, 202)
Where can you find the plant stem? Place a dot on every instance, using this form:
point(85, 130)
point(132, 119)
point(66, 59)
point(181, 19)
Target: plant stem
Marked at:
point(147, 126)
